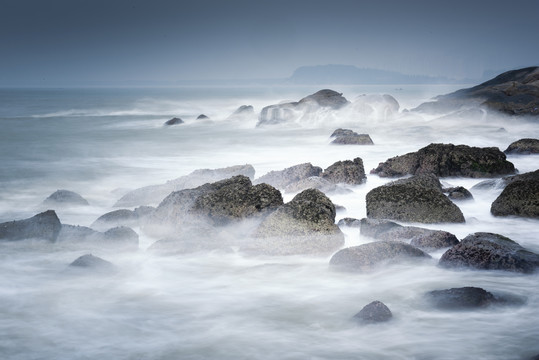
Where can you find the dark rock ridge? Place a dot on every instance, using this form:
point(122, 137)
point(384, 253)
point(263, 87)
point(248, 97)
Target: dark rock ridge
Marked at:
point(153, 194)
point(116, 238)
point(448, 160)
point(122, 217)
point(45, 225)
point(93, 263)
point(65, 197)
point(305, 225)
point(282, 178)
point(292, 111)
point(424, 239)
point(467, 298)
point(174, 121)
point(368, 257)
point(458, 193)
point(523, 147)
point(346, 172)
point(519, 198)
point(415, 199)
point(487, 251)
point(217, 203)
point(514, 92)
point(375, 312)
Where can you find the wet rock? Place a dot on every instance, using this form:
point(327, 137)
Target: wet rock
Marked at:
point(342, 132)
point(514, 92)
point(282, 178)
point(424, 239)
point(523, 147)
point(122, 217)
point(460, 298)
point(354, 139)
point(415, 199)
point(65, 197)
point(116, 238)
point(154, 194)
point(346, 172)
point(120, 237)
point(202, 117)
point(313, 182)
point(375, 312)
point(217, 203)
point(45, 225)
point(458, 193)
point(326, 98)
point(75, 234)
point(368, 257)
point(487, 251)
point(93, 263)
point(448, 160)
point(519, 198)
point(305, 225)
point(174, 121)
point(350, 222)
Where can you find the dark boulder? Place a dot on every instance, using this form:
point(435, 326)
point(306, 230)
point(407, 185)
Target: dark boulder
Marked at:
point(448, 160)
point(326, 98)
point(415, 199)
point(45, 225)
point(174, 121)
point(202, 117)
point(342, 132)
point(65, 197)
point(375, 312)
point(460, 298)
point(519, 198)
point(523, 147)
point(458, 193)
point(350, 222)
point(487, 251)
point(346, 172)
point(368, 257)
point(514, 92)
point(94, 264)
point(305, 225)
point(424, 239)
point(354, 139)
point(154, 194)
point(282, 178)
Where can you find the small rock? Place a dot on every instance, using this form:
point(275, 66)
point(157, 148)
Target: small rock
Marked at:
point(354, 139)
point(458, 193)
point(375, 312)
point(94, 263)
point(350, 222)
point(174, 121)
point(282, 178)
point(202, 117)
point(523, 147)
point(346, 172)
point(468, 298)
point(65, 197)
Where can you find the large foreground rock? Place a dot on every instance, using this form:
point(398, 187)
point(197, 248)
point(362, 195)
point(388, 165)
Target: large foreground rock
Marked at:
point(294, 111)
point(514, 92)
point(218, 203)
point(523, 147)
point(487, 251)
point(424, 239)
point(520, 197)
point(346, 172)
point(305, 225)
point(375, 312)
point(154, 194)
point(448, 160)
point(416, 199)
point(282, 178)
point(45, 225)
point(65, 198)
point(368, 257)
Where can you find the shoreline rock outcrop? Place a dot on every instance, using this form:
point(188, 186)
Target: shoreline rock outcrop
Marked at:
point(45, 225)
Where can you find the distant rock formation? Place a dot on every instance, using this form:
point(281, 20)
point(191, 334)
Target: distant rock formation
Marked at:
point(65, 198)
point(45, 225)
point(514, 92)
point(174, 121)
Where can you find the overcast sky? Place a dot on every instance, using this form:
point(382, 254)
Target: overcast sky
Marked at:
point(166, 40)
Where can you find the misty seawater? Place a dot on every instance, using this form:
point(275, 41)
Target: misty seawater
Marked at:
point(102, 143)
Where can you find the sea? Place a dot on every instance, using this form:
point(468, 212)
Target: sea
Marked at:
point(104, 142)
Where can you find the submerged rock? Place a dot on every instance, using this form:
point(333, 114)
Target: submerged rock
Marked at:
point(342, 132)
point(460, 298)
point(375, 312)
point(487, 251)
point(283, 178)
point(174, 121)
point(116, 238)
point(93, 263)
point(346, 172)
point(202, 117)
point(122, 217)
point(415, 199)
point(519, 198)
point(458, 193)
point(368, 257)
point(448, 160)
point(244, 112)
point(45, 225)
point(523, 147)
point(65, 197)
point(350, 222)
point(154, 194)
point(305, 225)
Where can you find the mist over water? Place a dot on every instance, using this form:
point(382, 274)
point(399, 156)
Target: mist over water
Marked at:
point(101, 143)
